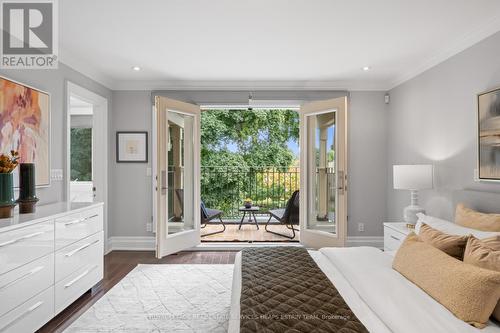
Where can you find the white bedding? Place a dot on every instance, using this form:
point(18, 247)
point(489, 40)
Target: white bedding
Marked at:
point(381, 298)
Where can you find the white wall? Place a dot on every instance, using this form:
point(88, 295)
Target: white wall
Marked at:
point(432, 119)
point(130, 188)
point(130, 194)
point(367, 162)
point(54, 82)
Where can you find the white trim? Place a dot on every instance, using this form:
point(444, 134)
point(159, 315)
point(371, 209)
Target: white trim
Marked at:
point(375, 241)
point(147, 243)
point(136, 243)
point(460, 44)
point(100, 114)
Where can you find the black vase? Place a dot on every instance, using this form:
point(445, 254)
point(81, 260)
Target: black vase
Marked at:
point(27, 188)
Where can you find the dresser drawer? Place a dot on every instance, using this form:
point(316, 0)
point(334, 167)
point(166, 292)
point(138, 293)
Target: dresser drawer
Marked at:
point(392, 239)
point(80, 254)
point(23, 245)
point(31, 315)
point(75, 227)
point(19, 285)
point(74, 285)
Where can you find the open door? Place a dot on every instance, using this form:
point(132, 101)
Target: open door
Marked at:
point(177, 175)
point(323, 173)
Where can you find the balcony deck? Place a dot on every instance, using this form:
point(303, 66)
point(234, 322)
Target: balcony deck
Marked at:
point(248, 233)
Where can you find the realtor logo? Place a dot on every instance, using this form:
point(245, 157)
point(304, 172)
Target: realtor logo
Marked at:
point(29, 34)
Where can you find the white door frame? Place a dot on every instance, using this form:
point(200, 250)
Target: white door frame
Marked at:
point(317, 238)
point(170, 243)
point(99, 134)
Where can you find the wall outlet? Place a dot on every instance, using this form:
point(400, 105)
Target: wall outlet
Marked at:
point(361, 227)
point(149, 227)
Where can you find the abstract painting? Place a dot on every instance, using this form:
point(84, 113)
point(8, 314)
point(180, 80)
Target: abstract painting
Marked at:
point(25, 126)
point(489, 135)
point(132, 147)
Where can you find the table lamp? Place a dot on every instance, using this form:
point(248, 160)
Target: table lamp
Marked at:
point(413, 177)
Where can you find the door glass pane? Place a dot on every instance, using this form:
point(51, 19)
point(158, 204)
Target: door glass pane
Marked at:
point(321, 178)
point(180, 172)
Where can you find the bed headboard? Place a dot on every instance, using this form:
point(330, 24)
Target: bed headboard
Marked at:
point(486, 202)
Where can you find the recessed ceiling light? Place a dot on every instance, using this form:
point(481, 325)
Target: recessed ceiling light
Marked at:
point(366, 68)
point(136, 68)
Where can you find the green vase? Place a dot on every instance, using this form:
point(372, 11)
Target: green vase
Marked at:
point(7, 201)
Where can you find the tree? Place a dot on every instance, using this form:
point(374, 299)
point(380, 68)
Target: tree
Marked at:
point(240, 149)
point(81, 154)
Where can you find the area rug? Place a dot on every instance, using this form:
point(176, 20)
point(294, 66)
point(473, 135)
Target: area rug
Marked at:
point(163, 298)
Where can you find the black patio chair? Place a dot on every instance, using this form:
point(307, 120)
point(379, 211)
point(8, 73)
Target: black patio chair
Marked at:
point(207, 214)
point(289, 216)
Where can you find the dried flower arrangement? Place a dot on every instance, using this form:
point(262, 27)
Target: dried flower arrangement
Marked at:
point(9, 163)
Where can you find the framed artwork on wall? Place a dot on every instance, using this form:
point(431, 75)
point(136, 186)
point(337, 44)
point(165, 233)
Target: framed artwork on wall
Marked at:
point(489, 135)
point(131, 147)
point(25, 126)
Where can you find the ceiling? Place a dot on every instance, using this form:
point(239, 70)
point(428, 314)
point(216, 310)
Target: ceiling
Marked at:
point(237, 44)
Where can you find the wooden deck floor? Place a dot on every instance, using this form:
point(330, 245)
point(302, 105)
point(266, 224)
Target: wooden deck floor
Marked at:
point(248, 233)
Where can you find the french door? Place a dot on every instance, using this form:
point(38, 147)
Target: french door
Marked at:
point(323, 173)
point(176, 144)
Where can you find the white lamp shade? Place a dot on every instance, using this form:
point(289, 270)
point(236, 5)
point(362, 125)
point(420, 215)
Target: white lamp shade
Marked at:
point(412, 177)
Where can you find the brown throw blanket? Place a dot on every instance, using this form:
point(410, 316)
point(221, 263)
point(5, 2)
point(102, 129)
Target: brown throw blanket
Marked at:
point(283, 290)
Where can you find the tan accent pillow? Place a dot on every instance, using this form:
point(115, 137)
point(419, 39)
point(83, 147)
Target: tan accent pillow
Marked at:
point(484, 253)
point(449, 244)
point(470, 218)
point(469, 292)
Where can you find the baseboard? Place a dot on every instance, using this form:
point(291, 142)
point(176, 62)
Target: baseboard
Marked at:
point(375, 241)
point(147, 243)
point(143, 243)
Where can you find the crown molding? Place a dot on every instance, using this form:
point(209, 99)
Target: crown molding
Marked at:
point(82, 66)
point(247, 85)
point(466, 41)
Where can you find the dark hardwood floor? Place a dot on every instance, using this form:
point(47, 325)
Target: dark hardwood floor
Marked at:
point(117, 265)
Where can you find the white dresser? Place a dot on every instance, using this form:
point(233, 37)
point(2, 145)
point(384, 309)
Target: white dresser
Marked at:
point(47, 260)
point(394, 234)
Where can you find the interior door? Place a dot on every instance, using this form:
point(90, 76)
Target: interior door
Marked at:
point(177, 175)
point(323, 175)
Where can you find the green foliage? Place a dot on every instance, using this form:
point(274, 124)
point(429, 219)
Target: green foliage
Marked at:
point(81, 154)
point(261, 141)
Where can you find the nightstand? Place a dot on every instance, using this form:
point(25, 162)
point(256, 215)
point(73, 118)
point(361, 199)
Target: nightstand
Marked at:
point(394, 235)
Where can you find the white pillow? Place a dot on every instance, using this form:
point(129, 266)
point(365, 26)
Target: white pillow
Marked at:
point(450, 228)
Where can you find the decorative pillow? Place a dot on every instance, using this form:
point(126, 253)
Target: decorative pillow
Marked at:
point(449, 244)
point(450, 227)
point(472, 219)
point(484, 253)
point(469, 292)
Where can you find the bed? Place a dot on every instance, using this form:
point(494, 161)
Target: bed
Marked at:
point(381, 298)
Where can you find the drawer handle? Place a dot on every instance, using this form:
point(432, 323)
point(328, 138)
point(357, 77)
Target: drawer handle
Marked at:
point(84, 246)
point(90, 217)
point(76, 221)
point(79, 277)
point(394, 237)
point(12, 241)
point(33, 271)
point(25, 313)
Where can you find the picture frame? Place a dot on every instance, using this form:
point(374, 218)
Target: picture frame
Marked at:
point(31, 138)
point(131, 147)
point(488, 135)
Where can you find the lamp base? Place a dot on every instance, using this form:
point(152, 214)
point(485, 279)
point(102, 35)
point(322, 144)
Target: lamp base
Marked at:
point(410, 213)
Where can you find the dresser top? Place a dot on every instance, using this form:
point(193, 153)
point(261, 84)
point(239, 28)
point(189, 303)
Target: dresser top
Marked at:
point(43, 212)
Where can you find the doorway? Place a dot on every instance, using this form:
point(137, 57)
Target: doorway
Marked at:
point(86, 148)
point(323, 178)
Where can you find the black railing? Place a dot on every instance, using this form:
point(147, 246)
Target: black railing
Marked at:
point(226, 188)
